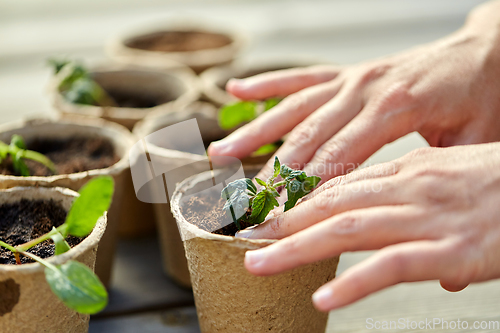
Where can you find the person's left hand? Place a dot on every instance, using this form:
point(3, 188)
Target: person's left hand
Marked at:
point(434, 214)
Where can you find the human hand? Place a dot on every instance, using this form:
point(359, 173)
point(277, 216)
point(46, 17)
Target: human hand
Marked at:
point(339, 116)
point(432, 214)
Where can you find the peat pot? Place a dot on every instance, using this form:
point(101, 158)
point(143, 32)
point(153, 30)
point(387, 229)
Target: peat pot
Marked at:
point(65, 129)
point(159, 46)
point(27, 303)
point(227, 297)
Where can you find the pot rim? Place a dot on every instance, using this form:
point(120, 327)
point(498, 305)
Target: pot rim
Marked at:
point(93, 238)
point(117, 49)
point(83, 122)
point(189, 183)
point(183, 73)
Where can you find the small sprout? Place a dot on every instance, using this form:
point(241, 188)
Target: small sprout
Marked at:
point(73, 282)
point(77, 85)
point(245, 204)
point(233, 115)
point(18, 152)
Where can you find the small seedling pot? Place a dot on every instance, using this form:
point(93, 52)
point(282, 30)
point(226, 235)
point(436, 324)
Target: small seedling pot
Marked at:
point(174, 260)
point(213, 80)
point(138, 92)
point(66, 128)
point(228, 298)
point(27, 303)
point(159, 46)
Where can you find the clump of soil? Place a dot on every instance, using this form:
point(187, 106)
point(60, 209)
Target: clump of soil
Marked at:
point(26, 220)
point(179, 41)
point(207, 214)
point(76, 154)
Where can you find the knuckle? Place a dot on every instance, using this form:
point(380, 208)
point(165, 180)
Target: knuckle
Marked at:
point(417, 153)
point(306, 134)
point(396, 262)
point(295, 103)
point(331, 152)
point(324, 202)
point(347, 224)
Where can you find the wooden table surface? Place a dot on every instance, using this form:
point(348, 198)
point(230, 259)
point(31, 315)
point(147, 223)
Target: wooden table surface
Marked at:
point(142, 299)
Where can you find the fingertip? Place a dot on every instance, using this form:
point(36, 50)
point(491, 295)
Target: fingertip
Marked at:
point(234, 86)
point(255, 262)
point(324, 299)
point(219, 148)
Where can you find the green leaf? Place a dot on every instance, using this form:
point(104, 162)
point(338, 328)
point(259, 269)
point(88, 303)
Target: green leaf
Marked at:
point(233, 115)
point(265, 149)
point(19, 165)
point(270, 103)
point(17, 141)
point(277, 167)
point(289, 173)
point(61, 245)
point(311, 182)
point(95, 198)
point(260, 182)
point(77, 287)
point(262, 204)
point(237, 205)
point(294, 191)
point(240, 184)
point(57, 64)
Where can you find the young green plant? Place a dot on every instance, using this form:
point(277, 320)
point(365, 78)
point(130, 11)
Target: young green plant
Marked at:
point(77, 85)
point(233, 115)
point(244, 203)
point(72, 282)
point(18, 152)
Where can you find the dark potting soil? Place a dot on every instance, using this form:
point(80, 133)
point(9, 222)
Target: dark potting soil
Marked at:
point(76, 154)
point(206, 212)
point(138, 101)
point(180, 41)
point(25, 220)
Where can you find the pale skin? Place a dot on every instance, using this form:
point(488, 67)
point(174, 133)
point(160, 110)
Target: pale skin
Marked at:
point(432, 214)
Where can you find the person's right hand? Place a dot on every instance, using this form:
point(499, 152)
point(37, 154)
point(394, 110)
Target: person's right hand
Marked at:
point(338, 116)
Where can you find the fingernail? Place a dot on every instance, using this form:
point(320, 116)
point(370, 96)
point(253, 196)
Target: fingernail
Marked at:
point(221, 147)
point(245, 233)
point(255, 258)
point(323, 298)
point(232, 83)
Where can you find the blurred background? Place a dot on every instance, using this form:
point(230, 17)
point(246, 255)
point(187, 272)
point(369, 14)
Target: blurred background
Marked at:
point(338, 31)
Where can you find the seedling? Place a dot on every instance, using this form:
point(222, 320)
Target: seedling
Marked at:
point(18, 152)
point(77, 85)
point(72, 282)
point(247, 204)
point(233, 115)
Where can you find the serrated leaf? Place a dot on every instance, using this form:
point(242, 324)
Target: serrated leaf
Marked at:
point(271, 103)
point(277, 167)
point(294, 191)
point(262, 204)
point(233, 115)
point(289, 173)
point(260, 182)
point(95, 198)
point(77, 287)
point(61, 245)
point(311, 182)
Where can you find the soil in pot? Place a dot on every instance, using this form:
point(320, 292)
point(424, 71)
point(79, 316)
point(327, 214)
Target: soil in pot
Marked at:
point(25, 220)
point(139, 101)
point(76, 154)
point(180, 41)
point(207, 212)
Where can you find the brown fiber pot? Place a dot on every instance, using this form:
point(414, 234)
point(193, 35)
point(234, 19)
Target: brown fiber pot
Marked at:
point(124, 48)
point(228, 298)
point(66, 127)
point(213, 80)
point(28, 304)
point(174, 260)
point(178, 86)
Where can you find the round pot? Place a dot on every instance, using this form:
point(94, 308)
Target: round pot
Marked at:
point(152, 90)
point(160, 46)
point(175, 157)
point(28, 304)
point(227, 297)
point(213, 80)
point(67, 127)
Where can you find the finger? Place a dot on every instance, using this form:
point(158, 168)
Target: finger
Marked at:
point(273, 125)
point(357, 230)
point(316, 129)
point(281, 83)
point(336, 200)
point(408, 262)
point(364, 135)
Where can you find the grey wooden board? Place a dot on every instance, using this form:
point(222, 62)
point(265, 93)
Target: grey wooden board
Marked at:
point(182, 320)
point(138, 282)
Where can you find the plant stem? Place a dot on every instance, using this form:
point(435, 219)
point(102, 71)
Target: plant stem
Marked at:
point(38, 259)
point(33, 242)
point(18, 258)
point(8, 247)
